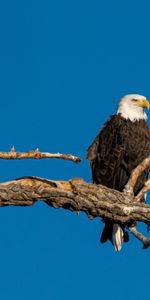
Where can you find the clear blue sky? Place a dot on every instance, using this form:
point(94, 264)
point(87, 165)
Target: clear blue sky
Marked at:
point(63, 67)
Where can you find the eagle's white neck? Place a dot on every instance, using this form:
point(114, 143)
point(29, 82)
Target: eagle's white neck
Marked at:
point(131, 112)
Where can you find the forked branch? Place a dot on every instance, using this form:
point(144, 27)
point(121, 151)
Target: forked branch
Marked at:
point(78, 195)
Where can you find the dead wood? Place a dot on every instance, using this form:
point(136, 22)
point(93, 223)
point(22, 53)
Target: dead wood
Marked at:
point(78, 195)
point(36, 154)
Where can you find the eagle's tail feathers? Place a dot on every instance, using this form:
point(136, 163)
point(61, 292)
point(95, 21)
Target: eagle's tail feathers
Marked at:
point(117, 237)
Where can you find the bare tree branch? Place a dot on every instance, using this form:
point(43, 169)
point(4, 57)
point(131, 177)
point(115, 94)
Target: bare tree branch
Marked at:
point(144, 166)
point(78, 195)
point(36, 154)
point(143, 191)
point(145, 240)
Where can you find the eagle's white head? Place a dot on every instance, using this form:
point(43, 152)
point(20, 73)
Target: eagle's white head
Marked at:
point(132, 107)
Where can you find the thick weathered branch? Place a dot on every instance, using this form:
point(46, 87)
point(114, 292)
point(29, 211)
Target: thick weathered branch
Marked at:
point(78, 195)
point(36, 154)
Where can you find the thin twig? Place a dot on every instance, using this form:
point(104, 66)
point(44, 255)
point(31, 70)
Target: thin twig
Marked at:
point(145, 240)
point(36, 154)
point(142, 194)
point(143, 166)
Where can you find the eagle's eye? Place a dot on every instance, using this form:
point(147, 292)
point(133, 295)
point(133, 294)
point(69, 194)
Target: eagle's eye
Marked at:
point(134, 100)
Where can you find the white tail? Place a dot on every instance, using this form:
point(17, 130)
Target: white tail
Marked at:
point(117, 237)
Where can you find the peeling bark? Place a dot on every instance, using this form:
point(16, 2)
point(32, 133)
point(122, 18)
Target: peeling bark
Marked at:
point(75, 195)
point(78, 195)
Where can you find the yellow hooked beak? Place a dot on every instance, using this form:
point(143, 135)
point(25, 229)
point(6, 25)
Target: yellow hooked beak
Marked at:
point(143, 103)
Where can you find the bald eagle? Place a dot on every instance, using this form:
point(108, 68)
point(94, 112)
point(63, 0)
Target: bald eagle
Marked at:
point(121, 145)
